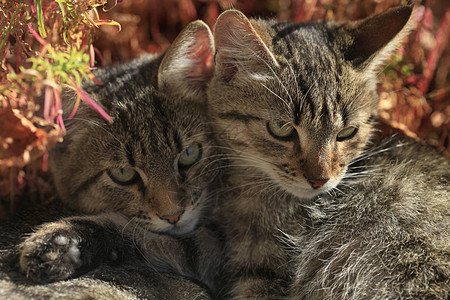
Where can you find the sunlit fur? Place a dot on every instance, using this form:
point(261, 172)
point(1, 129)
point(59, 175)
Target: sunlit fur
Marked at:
point(320, 79)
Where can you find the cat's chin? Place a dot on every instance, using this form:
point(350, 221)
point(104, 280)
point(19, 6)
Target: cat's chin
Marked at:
point(303, 193)
point(308, 192)
point(178, 230)
point(188, 222)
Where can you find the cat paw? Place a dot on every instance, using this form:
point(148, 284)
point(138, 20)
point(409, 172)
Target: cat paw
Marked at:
point(51, 254)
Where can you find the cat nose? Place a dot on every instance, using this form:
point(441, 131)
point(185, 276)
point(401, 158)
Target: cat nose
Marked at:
point(317, 183)
point(174, 218)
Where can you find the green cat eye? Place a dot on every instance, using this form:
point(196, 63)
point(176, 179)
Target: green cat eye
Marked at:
point(280, 130)
point(190, 155)
point(123, 176)
point(346, 133)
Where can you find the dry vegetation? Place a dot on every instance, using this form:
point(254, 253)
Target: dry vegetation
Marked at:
point(46, 45)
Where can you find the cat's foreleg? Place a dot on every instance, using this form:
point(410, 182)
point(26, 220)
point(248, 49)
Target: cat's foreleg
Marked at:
point(197, 255)
point(72, 246)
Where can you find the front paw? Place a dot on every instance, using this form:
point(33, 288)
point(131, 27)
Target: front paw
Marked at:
point(52, 253)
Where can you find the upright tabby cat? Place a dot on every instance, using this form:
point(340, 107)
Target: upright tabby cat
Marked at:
point(148, 171)
point(294, 105)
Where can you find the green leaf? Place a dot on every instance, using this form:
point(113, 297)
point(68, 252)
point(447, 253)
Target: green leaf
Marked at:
point(406, 70)
point(69, 4)
point(6, 32)
point(40, 18)
point(63, 12)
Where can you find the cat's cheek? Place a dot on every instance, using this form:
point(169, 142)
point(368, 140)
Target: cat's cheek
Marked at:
point(238, 136)
point(201, 176)
point(347, 151)
point(232, 133)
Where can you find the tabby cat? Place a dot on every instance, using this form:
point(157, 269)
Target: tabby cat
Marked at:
point(294, 105)
point(149, 171)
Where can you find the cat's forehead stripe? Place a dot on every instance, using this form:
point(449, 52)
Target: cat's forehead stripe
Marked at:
point(178, 142)
point(285, 34)
point(287, 30)
point(150, 129)
point(143, 149)
point(234, 115)
point(130, 155)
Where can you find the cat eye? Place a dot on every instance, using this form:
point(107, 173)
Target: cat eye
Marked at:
point(280, 130)
point(346, 133)
point(123, 176)
point(190, 155)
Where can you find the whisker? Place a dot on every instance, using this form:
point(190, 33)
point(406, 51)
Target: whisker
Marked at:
point(275, 94)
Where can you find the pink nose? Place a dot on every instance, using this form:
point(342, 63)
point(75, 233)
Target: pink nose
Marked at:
point(317, 183)
point(173, 219)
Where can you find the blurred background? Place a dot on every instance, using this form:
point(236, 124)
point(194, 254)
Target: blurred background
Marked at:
point(45, 45)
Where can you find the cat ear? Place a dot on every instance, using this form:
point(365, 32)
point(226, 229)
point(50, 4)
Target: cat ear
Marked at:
point(369, 42)
point(188, 65)
point(239, 47)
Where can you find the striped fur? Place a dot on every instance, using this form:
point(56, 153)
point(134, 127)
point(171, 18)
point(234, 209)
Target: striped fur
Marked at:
point(318, 79)
point(155, 119)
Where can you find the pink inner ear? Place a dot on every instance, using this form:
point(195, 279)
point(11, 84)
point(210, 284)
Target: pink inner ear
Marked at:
point(229, 24)
point(238, 44)
point(202, 54)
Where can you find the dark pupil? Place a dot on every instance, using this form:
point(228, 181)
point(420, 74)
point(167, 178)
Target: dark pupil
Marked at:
point(122, 171)
point(189, 151)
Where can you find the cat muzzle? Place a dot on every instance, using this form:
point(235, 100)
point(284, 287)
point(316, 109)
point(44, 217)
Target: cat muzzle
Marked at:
point(173, 218)
point(317, 183)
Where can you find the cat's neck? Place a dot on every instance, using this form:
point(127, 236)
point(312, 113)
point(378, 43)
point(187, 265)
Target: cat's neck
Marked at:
point(258, 188)
point(266, 208)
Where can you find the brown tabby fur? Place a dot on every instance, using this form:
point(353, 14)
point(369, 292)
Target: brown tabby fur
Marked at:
point(146, 224)
point(319, 79)
point(382, 236)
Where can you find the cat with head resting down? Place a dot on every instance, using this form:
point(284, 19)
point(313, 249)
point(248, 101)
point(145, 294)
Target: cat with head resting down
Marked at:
point(142, 181)
point(293, 104)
